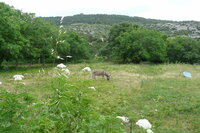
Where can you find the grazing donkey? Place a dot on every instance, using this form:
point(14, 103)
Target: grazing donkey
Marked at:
point(100, 73)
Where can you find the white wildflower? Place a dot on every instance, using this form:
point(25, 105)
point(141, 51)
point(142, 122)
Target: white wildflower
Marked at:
point(87, 69)
point(58, 57)
point(0, 83)
point(149, 131)
point(61, 66)
point(18, 77)
point(66, 71)
point(92, 87)
point(52, 51)
point(69, 56)
point(123, 118)
point(144, 123)
point(63, 41)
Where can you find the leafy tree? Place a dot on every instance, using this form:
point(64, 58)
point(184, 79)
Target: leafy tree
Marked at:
point(140, 45)
point(183, 49)
point(61, 46)
point(11, 40)
point(130, 43)
point(79, 47)
point(26, 38)
point(115, 31)
point(118, 29)
point(42, 37)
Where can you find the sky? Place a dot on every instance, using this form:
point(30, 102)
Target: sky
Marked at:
point(176, 10)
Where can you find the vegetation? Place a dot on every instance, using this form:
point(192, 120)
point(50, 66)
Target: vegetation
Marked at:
point(172, 28)
point(47, 102)
point(182, 49)
point(130, 43)
point(100, 19)
point(25, 38)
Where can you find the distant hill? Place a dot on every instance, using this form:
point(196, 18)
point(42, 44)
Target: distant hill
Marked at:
point(173, 28)
point(101, 19)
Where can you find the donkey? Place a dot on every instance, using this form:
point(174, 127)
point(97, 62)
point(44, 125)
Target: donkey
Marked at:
point(100, 73)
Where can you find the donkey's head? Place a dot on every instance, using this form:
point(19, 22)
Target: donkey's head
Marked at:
point(108, 76)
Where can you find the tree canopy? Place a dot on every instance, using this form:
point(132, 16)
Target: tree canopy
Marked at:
point(26, 38)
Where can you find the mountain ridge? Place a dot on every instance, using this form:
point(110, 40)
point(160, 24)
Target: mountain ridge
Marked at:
point(173, 28)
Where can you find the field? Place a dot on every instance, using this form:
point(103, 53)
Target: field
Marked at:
point(158, 93)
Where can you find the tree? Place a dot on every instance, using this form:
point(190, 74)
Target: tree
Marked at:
point(24, 37)
point(42, 37)
point(79, 47)
point(140, 44)
point(11, 40)
point(118, 29)
point(183, 49)
point(115, 31)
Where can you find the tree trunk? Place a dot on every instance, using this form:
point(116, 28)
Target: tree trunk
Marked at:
point(16, 63)
point(43, 60)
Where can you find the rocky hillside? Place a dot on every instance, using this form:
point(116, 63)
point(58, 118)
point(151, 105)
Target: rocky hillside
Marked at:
point(95, 30)
point(98, 25)
point(185, 28)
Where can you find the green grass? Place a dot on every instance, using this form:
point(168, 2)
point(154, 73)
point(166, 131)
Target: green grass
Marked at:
point(158, 93)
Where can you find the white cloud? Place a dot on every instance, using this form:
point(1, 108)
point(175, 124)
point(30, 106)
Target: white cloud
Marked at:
point(158, 9)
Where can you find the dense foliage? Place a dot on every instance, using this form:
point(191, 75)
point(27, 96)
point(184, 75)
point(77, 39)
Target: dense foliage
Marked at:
point(30, 39)
point(130, 43)
point(78, 46)
point(183, 49)
point(25, 38)
point(141, 45)
point(68, 109)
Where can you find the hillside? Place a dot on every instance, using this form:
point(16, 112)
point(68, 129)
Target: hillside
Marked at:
point(173, 28)
point(101, 19)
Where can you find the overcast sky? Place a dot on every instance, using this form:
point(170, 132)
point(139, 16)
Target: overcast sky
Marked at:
point(157, 9)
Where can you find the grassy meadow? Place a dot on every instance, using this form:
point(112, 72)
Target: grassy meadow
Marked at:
point(158, 93)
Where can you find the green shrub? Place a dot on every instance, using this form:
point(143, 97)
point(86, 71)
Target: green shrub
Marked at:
point(184, 50)
point(13, 111)
point(67, 110)
point(141, 45)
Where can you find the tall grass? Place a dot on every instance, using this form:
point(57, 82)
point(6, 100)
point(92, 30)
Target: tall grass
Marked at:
point(46, 102)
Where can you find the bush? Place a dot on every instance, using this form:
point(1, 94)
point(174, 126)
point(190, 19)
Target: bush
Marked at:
point(141, 45)
point(183, 49)
point(13, 111)
point(67, 110)
point(79, 47)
